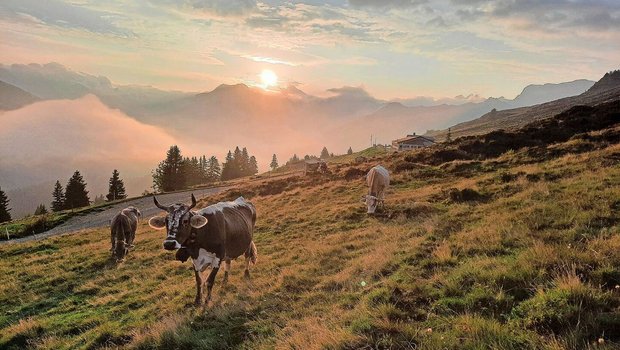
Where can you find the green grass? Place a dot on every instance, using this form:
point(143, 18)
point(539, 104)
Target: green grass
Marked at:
point(515, 252)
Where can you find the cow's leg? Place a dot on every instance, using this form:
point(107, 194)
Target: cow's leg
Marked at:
point(132, 237)
point(250, 257)
point(226, 271)
point(199, 284)
point(246, 273)
point(113, 241)
point(210, 282)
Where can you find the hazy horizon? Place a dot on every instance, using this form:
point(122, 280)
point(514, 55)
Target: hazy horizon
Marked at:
point(395, 49)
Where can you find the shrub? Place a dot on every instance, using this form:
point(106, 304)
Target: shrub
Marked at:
point(466, 195)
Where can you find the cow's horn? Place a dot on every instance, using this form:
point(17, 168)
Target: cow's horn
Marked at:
point(193, 203)
point(159, 205)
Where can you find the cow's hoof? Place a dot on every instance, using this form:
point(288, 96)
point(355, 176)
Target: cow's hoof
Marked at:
point(246, 274)
point(198, 302)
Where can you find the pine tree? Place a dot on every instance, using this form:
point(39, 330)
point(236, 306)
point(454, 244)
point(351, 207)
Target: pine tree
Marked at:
point(59, 197)
point(116, 189)
point(324, 153)
point(244, 163)
point(227, 172)
point(76, 195)
point(237, 163)
point(350, 151)
point(41, 209)
point(170, 173)
point(294, 159)
point(192, 171)
point(4, 207)
point(253, 166)
point(100, 199)
point(203, 164)
point(449, 137)
point(274, 163)
point(214, 171)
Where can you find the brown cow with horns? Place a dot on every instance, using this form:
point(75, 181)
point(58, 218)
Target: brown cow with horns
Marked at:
point(218, 233)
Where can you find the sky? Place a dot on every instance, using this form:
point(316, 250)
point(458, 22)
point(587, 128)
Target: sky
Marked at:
point(392, 48)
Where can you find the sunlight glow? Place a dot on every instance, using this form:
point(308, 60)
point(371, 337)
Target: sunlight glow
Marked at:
point(268, 78)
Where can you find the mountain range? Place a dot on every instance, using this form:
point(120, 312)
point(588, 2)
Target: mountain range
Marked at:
point(605, 90)
point(61, 120)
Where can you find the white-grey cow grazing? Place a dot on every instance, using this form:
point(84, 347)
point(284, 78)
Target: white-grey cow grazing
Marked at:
point(123, 231)
point(378, 180)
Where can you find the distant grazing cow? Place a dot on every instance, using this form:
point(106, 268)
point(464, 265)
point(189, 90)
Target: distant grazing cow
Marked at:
point(123, 231)
point(218, 233)
point(378, 180)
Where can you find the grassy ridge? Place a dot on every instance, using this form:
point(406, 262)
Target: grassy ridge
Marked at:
point(521, 251)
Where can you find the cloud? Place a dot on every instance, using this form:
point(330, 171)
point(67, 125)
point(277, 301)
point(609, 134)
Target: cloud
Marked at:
point(387, 3)
point(50, 139)
point(224, 8)
point(60, 14)
point(545, 15)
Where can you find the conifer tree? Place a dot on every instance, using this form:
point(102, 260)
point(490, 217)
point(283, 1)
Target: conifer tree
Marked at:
point(244, 164)
point(76, 195)
point(116, 188)
point(214, 171)
point(41, 209)
point(274, 163)
point(253, 166)
point(237, 163)
point(170, 173)
point(294, 159)
point(227, 172)
point(58, 203)
point(350, 151)
point(324, 153)
point(4, 207)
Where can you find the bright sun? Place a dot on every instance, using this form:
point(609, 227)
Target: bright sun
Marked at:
point(268, 78)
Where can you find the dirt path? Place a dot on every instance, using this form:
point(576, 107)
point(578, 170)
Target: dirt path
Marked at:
point(102, 218)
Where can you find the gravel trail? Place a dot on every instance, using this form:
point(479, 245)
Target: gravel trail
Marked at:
point(102, 218)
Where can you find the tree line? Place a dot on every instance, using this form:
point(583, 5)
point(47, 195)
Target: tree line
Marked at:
point(172, 174)
point(177, 172)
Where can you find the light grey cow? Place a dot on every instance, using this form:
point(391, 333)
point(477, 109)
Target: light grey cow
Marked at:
point(378, 180)
point(123, 231)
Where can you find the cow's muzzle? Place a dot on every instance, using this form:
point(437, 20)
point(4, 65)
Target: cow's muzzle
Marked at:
point(171, 244)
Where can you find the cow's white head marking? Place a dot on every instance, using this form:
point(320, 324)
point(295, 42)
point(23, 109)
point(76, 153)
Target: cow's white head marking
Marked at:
point(178, 223)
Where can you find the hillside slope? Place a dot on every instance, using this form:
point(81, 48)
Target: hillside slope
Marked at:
point(487, 250)
point(605, 90)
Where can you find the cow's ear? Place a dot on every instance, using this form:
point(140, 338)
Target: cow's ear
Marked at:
point(198, 221)
point(158, 222)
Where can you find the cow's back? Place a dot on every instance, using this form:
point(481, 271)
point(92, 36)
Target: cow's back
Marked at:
point(120, 223)
point(378, 179)
point(230, 227)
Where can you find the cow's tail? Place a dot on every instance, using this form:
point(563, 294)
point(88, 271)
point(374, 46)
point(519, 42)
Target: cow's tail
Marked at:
point(252, 254)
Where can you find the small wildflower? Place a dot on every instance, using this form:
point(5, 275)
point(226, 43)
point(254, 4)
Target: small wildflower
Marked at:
point(429, 330)
point(363, 283)
point(601, 340)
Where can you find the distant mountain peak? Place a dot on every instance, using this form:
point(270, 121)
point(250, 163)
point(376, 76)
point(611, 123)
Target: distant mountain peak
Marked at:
point(239, 86)
point(609, 81)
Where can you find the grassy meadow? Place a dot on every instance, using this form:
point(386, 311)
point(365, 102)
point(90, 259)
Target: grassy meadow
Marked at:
point(520, 251)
